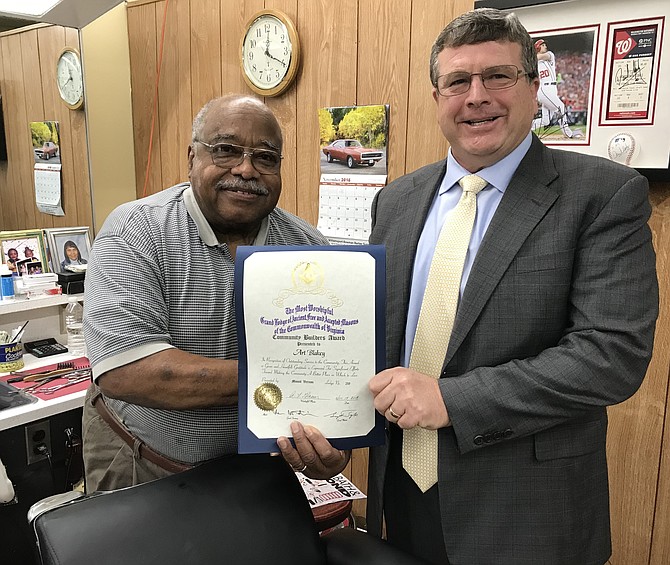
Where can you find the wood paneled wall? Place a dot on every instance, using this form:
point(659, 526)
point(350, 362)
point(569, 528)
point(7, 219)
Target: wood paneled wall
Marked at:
point(29, 94)
point(353, 52)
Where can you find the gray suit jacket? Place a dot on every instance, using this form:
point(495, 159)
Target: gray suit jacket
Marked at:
point(555, 324)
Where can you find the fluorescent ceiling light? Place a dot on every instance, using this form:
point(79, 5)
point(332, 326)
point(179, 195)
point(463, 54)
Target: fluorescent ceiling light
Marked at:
point(27, 7)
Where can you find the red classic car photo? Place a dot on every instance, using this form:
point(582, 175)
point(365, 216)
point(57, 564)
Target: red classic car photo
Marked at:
point(48, 150)
point(352, 152)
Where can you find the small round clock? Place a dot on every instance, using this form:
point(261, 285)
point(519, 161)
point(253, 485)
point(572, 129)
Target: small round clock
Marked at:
point(70, 79)
point(270, 53)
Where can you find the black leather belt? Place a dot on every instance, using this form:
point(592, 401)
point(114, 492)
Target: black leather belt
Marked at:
point(135, 444)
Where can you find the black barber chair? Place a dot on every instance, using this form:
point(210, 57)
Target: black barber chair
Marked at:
point(240, 509)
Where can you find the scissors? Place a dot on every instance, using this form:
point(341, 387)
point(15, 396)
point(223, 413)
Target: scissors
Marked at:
point(52, 389)
point(72, 375)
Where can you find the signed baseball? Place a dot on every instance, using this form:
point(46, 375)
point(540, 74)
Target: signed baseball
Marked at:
point(621, 148)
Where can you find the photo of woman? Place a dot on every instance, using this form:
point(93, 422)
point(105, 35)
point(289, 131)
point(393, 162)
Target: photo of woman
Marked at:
point(69, 248)
point(72, 255)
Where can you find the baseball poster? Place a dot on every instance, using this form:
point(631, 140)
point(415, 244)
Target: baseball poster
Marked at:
point(566, 63)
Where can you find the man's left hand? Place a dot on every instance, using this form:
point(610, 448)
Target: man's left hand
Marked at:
point(409, 399)
point(313, 455)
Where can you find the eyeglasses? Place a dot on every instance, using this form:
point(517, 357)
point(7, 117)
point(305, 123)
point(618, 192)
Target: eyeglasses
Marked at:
point(493, 78)
point(227, 156)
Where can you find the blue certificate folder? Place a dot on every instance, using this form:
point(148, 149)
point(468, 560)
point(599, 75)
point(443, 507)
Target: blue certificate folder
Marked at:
point(294, 304)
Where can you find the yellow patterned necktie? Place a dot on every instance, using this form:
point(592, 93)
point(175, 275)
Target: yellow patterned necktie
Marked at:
point(436, 320)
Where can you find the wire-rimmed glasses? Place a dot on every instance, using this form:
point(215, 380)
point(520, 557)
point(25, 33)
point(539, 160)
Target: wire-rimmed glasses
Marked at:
point(493, 78)
point(229, 155)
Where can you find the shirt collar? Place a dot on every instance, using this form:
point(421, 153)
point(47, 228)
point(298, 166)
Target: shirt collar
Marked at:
point(205, 230)
point(497, 175)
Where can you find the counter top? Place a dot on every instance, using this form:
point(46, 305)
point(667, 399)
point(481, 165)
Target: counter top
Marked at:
point(21, 415)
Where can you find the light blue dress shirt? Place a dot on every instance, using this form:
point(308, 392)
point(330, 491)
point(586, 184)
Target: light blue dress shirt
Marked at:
point(498, 176)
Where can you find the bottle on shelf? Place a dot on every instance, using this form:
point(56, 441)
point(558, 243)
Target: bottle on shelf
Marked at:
point(74, 318)
point(7, 283)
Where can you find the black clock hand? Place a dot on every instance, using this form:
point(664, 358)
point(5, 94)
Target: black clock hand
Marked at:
point(275, 58)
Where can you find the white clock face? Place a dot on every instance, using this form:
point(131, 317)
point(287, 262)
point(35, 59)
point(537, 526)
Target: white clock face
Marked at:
point(267, 52)
point(70, 78)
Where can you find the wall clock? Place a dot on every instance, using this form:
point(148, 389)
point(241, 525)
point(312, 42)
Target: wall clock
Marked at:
point(70, 79)
point(270, 53)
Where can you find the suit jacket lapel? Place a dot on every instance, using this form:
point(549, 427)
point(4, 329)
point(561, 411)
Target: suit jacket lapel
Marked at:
point(524, 204)
point(411, 213)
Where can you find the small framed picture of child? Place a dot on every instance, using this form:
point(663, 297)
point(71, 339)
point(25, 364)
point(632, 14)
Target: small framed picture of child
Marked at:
point(23, 247)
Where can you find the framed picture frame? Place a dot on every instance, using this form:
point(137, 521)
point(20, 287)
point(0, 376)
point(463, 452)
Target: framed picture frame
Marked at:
point(629, 97)
point(566, 65)
point(30, 267)
point(68, 246)
point(17, 246)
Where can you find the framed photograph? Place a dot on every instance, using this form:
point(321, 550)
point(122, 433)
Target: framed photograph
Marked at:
point(68, 247)
point(566, 63)
point(17, 246)
point(23, 264)
point(33, 268)
point(630, 84)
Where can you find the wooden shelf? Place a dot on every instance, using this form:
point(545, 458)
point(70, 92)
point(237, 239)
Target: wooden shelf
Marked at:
point(34, 303)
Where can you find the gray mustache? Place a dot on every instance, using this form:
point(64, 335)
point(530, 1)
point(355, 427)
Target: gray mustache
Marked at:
point(252, 186)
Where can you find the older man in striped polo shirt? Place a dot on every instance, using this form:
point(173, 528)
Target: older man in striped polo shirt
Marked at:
point(159, 310)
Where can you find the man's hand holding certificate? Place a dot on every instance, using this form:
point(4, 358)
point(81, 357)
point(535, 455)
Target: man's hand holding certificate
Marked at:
point(311, 334)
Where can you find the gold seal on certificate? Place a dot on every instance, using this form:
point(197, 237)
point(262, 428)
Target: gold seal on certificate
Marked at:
point(267, 396)
point(308, 275)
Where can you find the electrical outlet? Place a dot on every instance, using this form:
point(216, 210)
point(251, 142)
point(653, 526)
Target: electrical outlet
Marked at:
point(37, 434)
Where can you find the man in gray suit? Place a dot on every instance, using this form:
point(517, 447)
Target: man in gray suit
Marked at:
point(558, 302)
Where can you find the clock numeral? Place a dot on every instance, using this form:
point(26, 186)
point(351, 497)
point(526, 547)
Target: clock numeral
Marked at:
point(282, 37)
point(269, 78)
point(253, 43)
point(267, 28)
point(285, 50)
point(250, 55)
point(258, 32)
point(253, 67)
point(278, 75)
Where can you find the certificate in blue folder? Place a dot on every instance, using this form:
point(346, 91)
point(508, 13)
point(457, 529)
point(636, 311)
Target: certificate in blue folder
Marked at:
point(310, 324)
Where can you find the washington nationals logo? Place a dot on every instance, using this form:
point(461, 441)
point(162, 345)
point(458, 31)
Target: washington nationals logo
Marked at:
point(623, 45)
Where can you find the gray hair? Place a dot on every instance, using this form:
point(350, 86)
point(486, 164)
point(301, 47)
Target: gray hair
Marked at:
point(479, 26)
point(199, 120)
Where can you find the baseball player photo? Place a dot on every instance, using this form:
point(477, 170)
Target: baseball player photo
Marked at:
point(565, 64)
